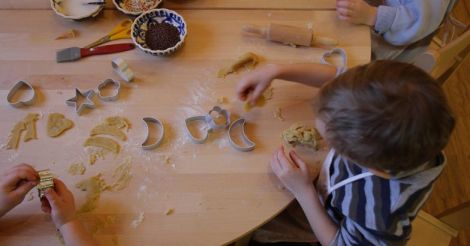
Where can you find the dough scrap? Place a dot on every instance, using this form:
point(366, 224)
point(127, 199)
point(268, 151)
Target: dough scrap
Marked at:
point(15, 134)
point(72, 33)
point(277, 114)
point(30, 124)
point(95, 155)
point(259, 103)
point(300, 134)
point(77, 169)
point(110, 130)
point(93, 186)
point(118, 121)
point(122, 175)
point(222, 100)
point(137, 221)
point(103, 142)
point(57, 124)
point(248, 60)
point(169, 211)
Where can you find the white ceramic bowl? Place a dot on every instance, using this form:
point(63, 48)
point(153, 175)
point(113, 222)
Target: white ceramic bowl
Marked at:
point(119, 3)
point(139, 29)
point(79, 10)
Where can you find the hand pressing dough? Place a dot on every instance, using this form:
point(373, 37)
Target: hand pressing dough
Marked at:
point(248, 60)
point(110, 130)
point(30, 123)
point(103, 142)
point(57, 124)
point(15, 134)
point(259, 103)
point(299, 134)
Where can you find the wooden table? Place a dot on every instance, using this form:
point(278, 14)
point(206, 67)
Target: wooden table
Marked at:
point(217, 193)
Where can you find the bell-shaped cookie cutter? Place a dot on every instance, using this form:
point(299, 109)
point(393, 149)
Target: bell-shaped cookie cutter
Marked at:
point(88, 103)
point(250, 145)
point(122, 69)
point(344, 59)
point(14, 90)
point(211, 123)
point(117, 90)
point(146, 145)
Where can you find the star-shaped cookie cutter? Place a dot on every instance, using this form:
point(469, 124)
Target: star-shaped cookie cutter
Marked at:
point(87, 103)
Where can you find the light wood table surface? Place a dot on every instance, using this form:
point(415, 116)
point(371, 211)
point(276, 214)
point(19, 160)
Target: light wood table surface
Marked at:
point(218, 194)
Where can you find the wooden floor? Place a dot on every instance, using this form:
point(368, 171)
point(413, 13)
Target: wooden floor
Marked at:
point(453, 187)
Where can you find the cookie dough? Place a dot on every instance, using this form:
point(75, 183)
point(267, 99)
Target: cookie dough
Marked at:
point(277, 114)
point(57, 124)
point(137, 221)
point(122, 175)
point(15, 134)
point(259, 103)
point(110, 130)
point(93, 186)
point(77, 169)
point(300, 134)
point(103, 142)
point(248, 60)
point(30, 124)
point(95, 155)
point(117, 121)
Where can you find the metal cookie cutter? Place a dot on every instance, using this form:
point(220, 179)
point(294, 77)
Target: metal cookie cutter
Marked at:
point(249, 145)
point(344, 59)
point(117, 89)
point(79, 106)
point(146, 145)
point(211, 120)
point(46, 180)
point(14, 90)
point(122, 69)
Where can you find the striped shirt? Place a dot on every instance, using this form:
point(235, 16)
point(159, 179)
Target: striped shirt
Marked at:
point(374, 210)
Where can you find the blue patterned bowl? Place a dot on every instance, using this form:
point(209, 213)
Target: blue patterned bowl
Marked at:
point(152, 4)
point(140, 26)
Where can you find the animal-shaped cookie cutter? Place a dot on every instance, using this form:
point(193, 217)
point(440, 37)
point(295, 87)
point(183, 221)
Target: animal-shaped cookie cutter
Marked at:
point(122, 69)
point(249, 145)
point(211, 121)
point(20, 103)
point(146, 145)
point(344, 59)
point(112, 97)
point(46, 181)
point(88, 103)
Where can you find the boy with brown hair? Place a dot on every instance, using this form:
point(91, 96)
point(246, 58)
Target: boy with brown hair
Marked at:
point(386, 124)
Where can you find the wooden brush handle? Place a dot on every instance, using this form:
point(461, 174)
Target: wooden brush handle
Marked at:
point(106, 49)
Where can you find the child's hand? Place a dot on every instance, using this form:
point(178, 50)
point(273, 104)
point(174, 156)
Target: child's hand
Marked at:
point(59, 203)
point(295, 176)
point(356, 12)
point(15, 184)
point(252, 85)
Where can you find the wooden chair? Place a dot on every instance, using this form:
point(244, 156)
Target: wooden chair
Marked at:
point(442, 58)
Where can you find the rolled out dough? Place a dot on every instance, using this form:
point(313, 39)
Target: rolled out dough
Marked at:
point(57, 124)
point(15, 134)
point(30, 123)
point(103, 142)
point(248, 60)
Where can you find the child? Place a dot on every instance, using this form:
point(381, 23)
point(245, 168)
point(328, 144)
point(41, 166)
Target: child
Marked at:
point(398, 25)
point(18, 181)
point(386, 124)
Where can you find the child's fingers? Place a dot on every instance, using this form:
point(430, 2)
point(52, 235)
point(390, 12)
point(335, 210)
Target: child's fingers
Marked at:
point(20, 174)
point(24, 188)
point(60, 187)
point(299, 162)
point(45, 206)
point(256, 94)
point(344, 4)
point(52, 197)
point(281, 156)
point(275, 166)
point(243, 89)
point(344, 12)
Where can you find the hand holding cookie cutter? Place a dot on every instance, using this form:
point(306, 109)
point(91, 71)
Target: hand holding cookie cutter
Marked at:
point(14, 90)
point(146, 145)
point(122, 69)
point(88, 103)
point(344, 59)
point(104, 84)
point(210, 122)
point(46, 181)
point(250, 145)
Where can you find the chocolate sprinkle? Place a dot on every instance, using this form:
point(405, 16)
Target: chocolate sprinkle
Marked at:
point(161, 36)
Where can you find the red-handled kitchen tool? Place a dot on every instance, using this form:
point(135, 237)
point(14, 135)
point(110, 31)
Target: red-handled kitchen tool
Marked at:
point(75, 53)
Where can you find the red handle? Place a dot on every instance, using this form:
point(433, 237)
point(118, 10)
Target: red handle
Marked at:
point(106, 49)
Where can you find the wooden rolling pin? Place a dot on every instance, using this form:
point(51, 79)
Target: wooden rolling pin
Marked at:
point(290, 35)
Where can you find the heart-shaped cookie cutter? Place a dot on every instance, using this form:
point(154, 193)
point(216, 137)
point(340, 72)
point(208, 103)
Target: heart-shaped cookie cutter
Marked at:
point(250, 145)
point(104, 84)
point(14, 90)
point(159, 140)
point(344, 59)
point(210, 121)
point(122, 69)
point(88, 103)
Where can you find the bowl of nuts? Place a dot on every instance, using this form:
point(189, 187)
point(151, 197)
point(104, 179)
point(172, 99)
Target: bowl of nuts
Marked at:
point(136, 7)
point(159, 32)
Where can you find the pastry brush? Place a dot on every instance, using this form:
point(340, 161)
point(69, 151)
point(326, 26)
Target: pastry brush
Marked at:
point(75, 53)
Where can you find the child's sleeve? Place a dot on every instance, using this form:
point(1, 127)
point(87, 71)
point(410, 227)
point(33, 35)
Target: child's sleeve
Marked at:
point(406, 23)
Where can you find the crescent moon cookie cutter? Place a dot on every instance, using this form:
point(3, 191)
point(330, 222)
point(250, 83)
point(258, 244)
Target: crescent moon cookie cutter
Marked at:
point(14, 90)
point(344, 59)
point(106, 83)
point(148, 144)
point(212, 122)
point(86, 102)
point(122, 69)
point(249, 145)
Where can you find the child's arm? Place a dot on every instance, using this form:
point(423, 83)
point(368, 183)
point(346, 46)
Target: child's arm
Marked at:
point(61, 205)
point(14, 185)
point(253, 84)
point(295, 177)
point(356, 12)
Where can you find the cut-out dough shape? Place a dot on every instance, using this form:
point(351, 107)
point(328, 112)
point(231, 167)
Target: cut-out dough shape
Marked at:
point(105, 129)
point(107, 83)
point(248, 60)
point(86, 103)
point(30, 123)
point(240, 123)
point(57, 124)
point(117, 121)
point(15, 134)
point(147, 145)
point(103, 142)
point(14, 90)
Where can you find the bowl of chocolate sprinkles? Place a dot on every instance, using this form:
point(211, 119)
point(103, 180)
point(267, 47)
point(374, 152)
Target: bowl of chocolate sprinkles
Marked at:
point(136, 7)
point(159, 32)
